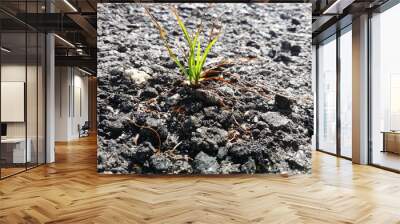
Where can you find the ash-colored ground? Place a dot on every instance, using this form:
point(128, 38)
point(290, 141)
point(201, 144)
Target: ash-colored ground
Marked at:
point(257, 118)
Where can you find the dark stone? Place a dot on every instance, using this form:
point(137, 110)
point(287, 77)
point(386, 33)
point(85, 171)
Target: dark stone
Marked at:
point(122, 49)
point(208, 140)
point(116, 72)
point(170, 65)
point(252, 44)
point(272, 53)
point(118, 169)
point(160, 163)
point(149, 135)
point(274, 119)
point(140, 117)
point(153, 123)
point(128, 152)
point(227, 90)
point(175, 33)
point(241, 152)
point(273, 34)
point(244, 21)
point(171, 141)
point(101, 157)
point(283, 102)
point(227, 167)
point(173, 100)
point(283, 58)
point(295, 50)
point(205, 164)
point(295, 22)
point(284, 16)
point(285, 45)
point(249, 167)
point(208, 98)
point(116, 128)
point(126, 106)
point(191, 124)
point(255, 133)
point(148, 93)
point(144, 152)
point(182, 167)
point(136, 168)
point(211, 112)
point(299, 161)
point(194, 107)
point(222, 152)
point(292, 29)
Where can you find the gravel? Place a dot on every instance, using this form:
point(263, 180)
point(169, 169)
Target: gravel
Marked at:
point(257, 117)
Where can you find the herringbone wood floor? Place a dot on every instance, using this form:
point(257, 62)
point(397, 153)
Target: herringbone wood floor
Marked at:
point(70, 191)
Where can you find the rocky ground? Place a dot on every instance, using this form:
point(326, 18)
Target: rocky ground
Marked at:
point(256, 117)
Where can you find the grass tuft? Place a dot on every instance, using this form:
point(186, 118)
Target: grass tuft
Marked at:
point(194, 57)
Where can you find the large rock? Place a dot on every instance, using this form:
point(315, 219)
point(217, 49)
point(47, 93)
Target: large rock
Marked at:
point(208, 140)
point(116, 128)
point(148, 92)
point(227, 167)
point(144, 152)
point(207, 97)
point(249, 167)
point(275, 120)
point(160, 163)
point(137, 76)
point(205, 164)
point(283, 102)
point(182, 167)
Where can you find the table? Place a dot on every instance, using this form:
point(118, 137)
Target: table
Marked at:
point(391, 141)
point(13, 150)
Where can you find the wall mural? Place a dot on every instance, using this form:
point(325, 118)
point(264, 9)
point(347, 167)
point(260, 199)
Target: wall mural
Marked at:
point(204, 88)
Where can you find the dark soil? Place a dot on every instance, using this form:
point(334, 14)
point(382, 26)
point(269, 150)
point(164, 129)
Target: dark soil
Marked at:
point(255, 116)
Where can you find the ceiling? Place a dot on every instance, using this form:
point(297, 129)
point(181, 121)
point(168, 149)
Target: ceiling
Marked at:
point(74, 21)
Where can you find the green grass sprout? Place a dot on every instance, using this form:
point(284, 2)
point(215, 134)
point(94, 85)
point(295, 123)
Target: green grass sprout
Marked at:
point(194, 57)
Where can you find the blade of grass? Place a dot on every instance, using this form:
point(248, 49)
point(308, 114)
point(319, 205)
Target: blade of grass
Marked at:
point(176, 60)
point(163, 35)
point(206, 51)
point(194, 58)
point(198, 56)
point(182, 26)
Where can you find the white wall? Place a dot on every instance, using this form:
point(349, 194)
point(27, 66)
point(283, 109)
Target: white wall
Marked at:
point(70, 83)
point(33, 126)
point(314, 87)
point(81, 88)
point(50, 95)
point(17, 73)
point(360, 89)
point(9, 73)
point(62, 81)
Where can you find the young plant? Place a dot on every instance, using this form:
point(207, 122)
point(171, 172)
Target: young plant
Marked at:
point(194, 56)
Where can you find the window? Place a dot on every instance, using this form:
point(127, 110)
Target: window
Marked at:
point(327, 95)
point(385, 89)
point(333, 106)
point(346, 93)
point(22, 101)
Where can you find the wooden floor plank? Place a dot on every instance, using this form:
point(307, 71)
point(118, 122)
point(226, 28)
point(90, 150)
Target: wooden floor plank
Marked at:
point(70, 191)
